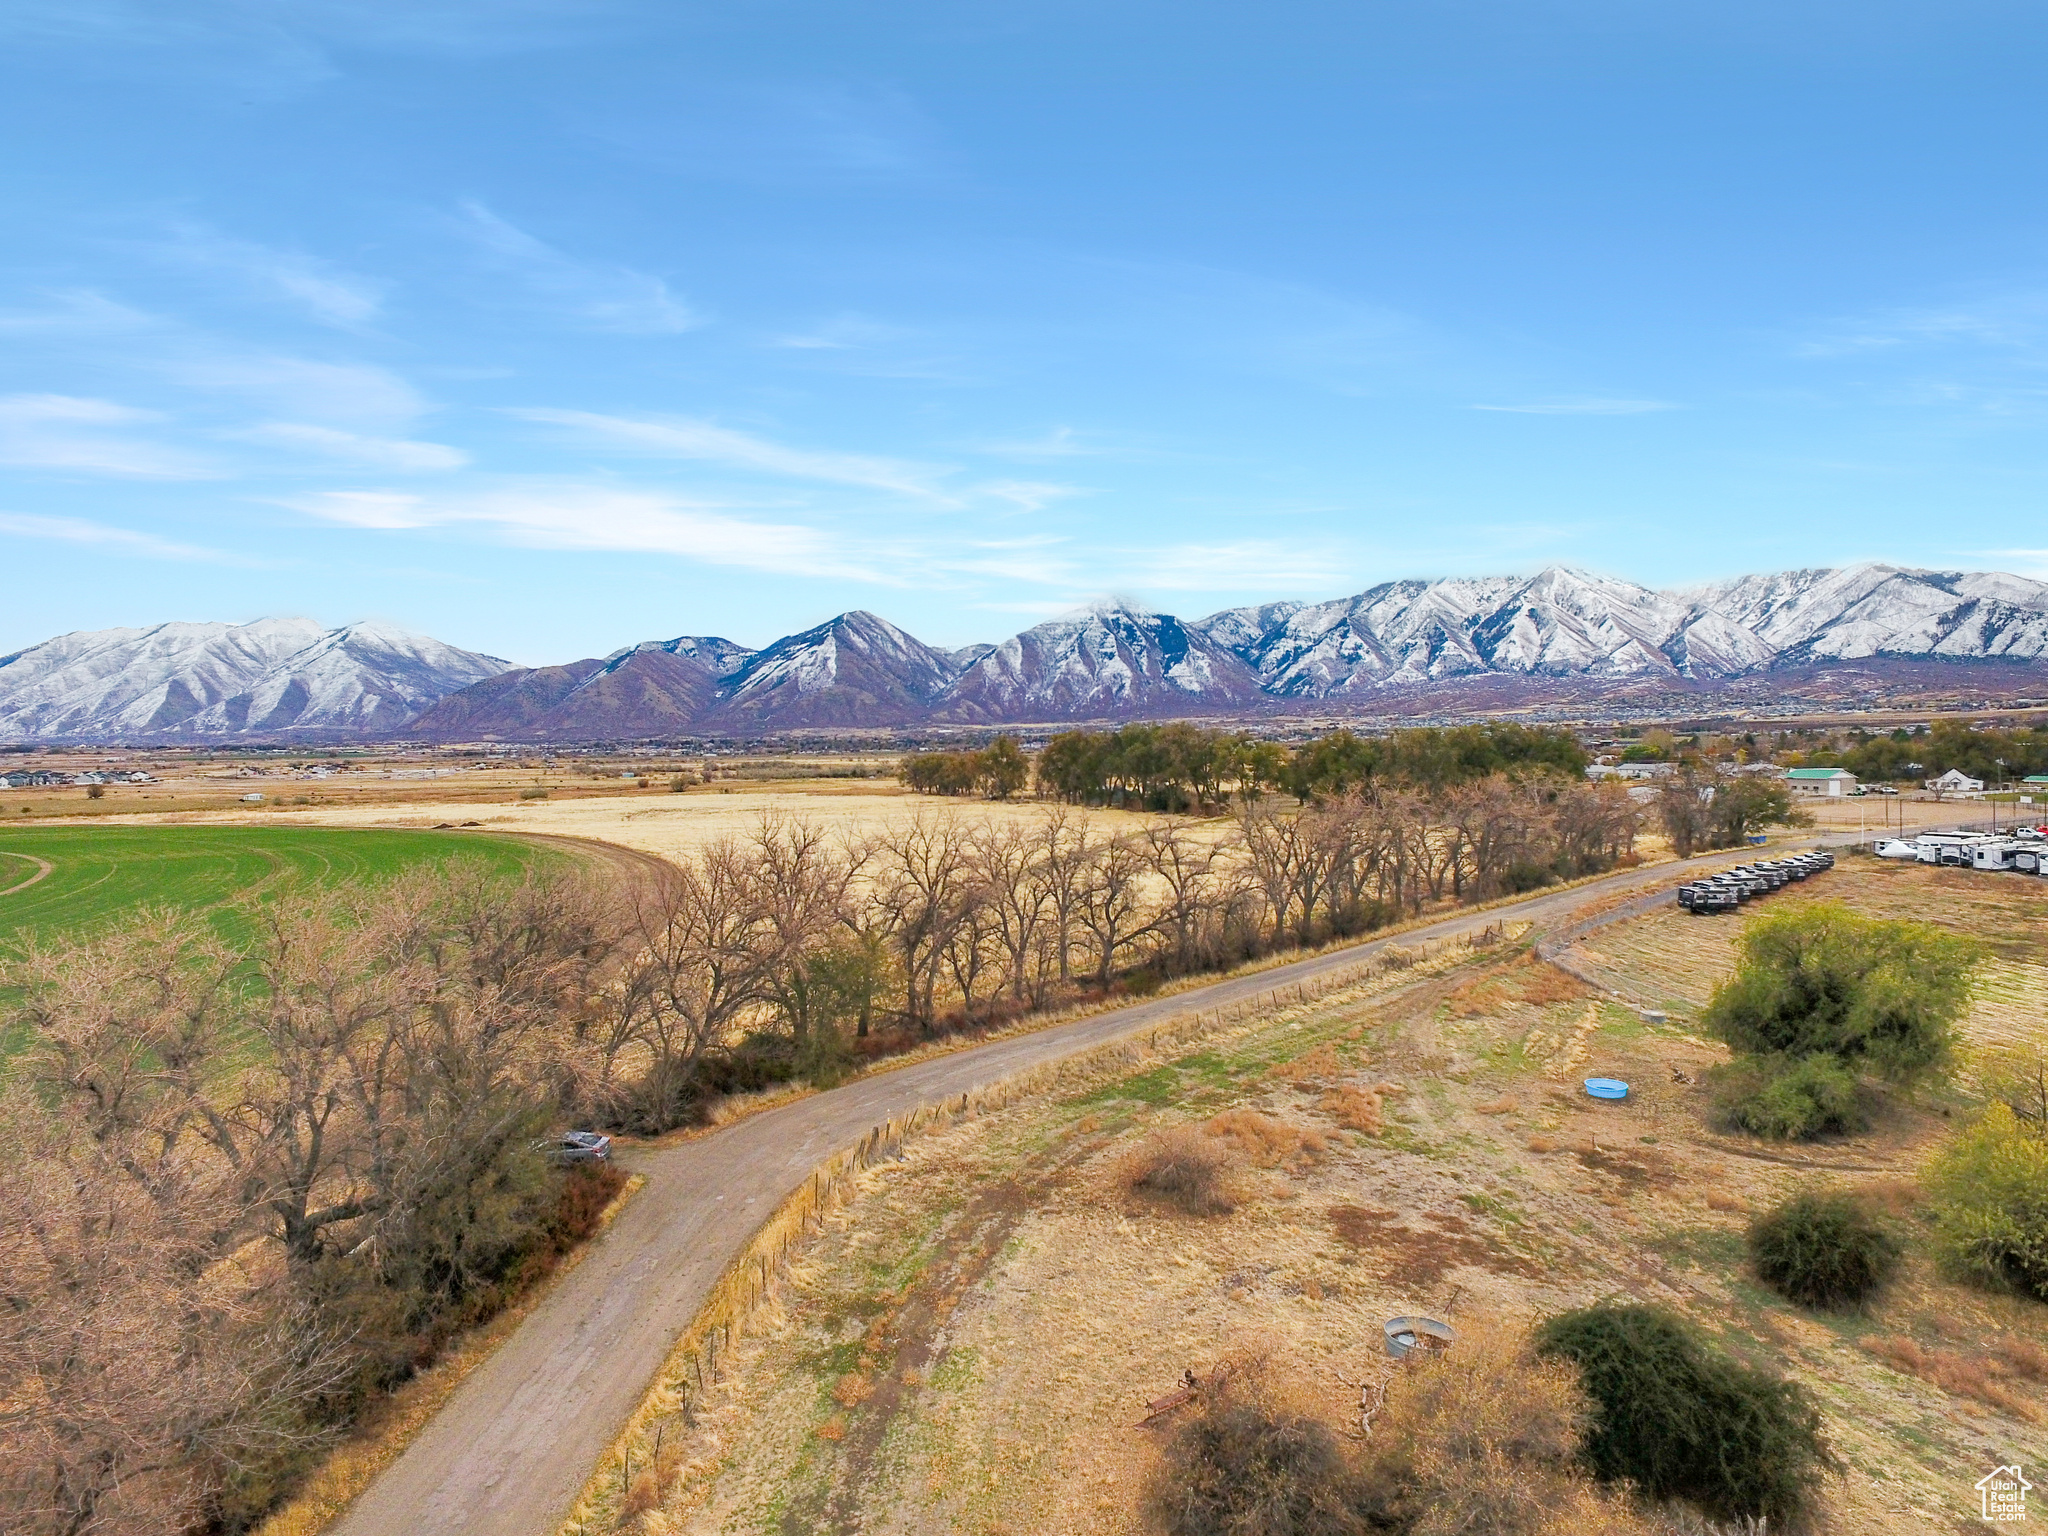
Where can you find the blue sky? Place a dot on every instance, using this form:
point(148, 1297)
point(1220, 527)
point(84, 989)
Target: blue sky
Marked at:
point(548, 327)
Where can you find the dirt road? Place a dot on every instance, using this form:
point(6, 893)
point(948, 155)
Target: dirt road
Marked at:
point(510, 1451)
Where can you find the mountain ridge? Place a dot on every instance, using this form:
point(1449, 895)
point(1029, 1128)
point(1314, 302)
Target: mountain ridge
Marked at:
point(211, 680)
point(1560, 632)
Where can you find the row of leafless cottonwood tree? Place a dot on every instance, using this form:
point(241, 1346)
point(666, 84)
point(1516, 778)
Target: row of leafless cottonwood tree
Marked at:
point(258, 1178)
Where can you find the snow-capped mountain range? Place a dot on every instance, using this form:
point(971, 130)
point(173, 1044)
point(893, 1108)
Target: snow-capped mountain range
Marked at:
point(1565, 623)
point(1109, 661)
point(272, 677)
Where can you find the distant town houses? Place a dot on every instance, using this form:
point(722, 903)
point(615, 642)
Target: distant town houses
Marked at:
point(1629, 770)
point(1956, 782)
point(42, 778)
point(1829, 783)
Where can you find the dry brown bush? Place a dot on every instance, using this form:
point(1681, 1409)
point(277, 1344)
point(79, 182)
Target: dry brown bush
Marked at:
point(2024, 1357)
point(1542, 1144)
point(1182, 1169)
point(1481, 995)
point(1973, 1376)
point(1267, 1142)
point(1253, 1458)
point(1527, 980)
point(1314, 1067)
point(1500, 1106)
point(852, 1389)
point(1485, 1437)
point(1718, 1201)
point(1355, 1109)
point(1482, 1438)
point(648, 1488)
point(1546, 984)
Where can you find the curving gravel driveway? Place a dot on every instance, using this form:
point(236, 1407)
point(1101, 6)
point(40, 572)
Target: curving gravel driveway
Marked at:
point(510, 1451)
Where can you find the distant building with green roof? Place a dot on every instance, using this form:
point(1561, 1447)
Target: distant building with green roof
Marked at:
point(1831, 782)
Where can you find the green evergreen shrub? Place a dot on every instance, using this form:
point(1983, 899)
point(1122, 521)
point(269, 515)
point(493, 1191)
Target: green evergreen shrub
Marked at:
point(1787, 1098)
point(1823, 1248)
point(1879, 996)
point(1679, 1419)
point(1989, 1192)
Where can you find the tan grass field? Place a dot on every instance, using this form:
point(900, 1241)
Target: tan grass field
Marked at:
point(969, 1344)
point(654, 822)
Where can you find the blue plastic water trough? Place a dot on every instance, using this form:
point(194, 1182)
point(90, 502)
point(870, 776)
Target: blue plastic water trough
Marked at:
point(1607, 1087)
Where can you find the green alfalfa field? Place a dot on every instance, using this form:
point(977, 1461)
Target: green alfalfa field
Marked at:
point(64, 880)
point(56, 882)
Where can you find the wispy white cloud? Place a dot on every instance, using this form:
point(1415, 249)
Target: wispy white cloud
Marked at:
point(682, 437)
point(357, 393)
point(1027, 495)
point(1046, 560)
point(75, 530)
point(74, 311)
point(2009, 322)
point(354, 447)
point(603, 295)
point(1039, 571)
point(373, 509)
point(569, 515)
point(1583, 405)
point(782, 134)
point(1256, 565)
point(360, 394)
point(842, 333)
point(69, 433)
point(319, 288)
point(276, 49)
point(2021, 562)
point(873, 349)
point(1054, 443)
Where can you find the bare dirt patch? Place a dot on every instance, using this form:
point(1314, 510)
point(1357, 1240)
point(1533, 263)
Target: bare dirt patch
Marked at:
point(1026, 1320)
point(1421, 1255)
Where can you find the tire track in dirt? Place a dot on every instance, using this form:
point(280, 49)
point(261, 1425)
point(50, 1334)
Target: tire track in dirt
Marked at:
point(905, 1339)
point(632, 864)
point(44, 873)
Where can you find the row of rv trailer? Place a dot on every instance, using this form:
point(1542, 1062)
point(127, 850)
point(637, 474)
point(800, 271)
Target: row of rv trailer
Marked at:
point(1727, 889)
point(2023, 850)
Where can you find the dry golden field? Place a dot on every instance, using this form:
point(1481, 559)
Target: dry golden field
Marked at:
point(651, 821)
point(970, 1343)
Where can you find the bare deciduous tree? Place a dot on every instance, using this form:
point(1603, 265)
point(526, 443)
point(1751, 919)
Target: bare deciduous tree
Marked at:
point(924, 882)
point(703, 938)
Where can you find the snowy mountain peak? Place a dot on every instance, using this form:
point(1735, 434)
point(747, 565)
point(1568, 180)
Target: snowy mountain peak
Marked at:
point(1111, 659)
point(1104, 660)
point(856, 669)
point(1110, 608)
point(1564, 622)
point(273, 676)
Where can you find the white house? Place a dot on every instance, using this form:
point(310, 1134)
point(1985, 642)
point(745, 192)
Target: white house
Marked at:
point(1630, 770)
point(1831, 782)
point(1956, 782)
